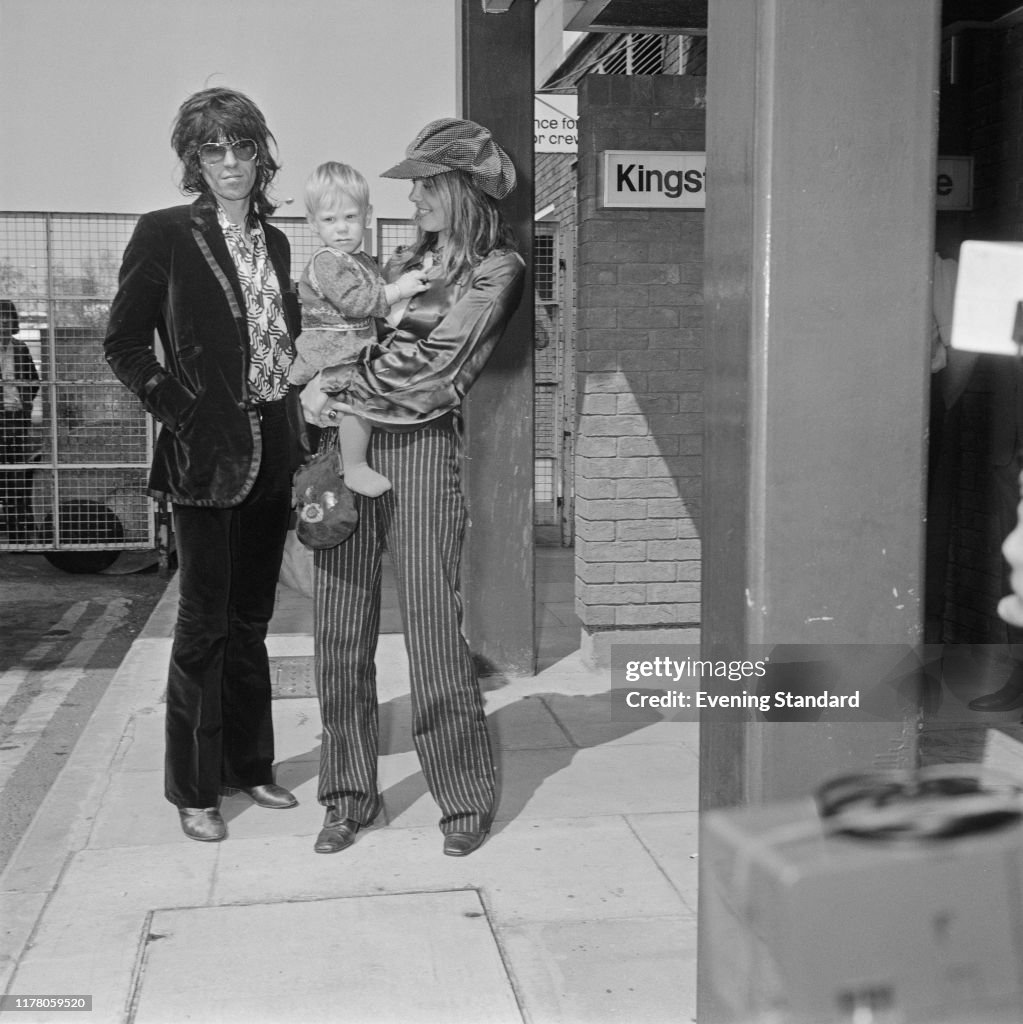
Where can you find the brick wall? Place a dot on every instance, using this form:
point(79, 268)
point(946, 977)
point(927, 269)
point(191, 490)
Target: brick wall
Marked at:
point(639, 335)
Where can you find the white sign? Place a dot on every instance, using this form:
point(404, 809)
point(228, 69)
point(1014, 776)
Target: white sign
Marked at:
point(645, 179)
point(555, 123)
point(988, 314)
point(954, 189)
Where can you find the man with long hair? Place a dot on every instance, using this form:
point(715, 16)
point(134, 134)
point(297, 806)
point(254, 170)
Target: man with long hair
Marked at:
point(213, 280)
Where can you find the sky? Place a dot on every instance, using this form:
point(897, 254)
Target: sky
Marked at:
point(88, 90)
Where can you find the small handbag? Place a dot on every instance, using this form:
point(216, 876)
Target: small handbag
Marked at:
point(325, 512)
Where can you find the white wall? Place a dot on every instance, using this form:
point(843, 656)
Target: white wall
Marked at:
point(552, 42)
point(88, 90)
point(548, 30)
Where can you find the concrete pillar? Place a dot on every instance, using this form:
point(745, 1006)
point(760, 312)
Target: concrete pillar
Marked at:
point(820, 137)
point(496, 89)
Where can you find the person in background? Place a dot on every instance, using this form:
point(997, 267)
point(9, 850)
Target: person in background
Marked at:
point(950, 374)
point(213, 280)
point(19, 384)
point(433, 350)
point(1004, 465)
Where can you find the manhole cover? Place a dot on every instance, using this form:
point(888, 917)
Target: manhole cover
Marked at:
point(418, 958)
point(292, 677)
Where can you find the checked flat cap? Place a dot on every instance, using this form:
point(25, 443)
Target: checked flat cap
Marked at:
point(451, 144)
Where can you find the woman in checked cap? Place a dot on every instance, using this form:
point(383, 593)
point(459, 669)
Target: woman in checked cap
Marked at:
point(433, 349)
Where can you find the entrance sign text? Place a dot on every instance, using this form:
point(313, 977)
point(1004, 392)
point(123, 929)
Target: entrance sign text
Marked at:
point(954, 186)
point(555, 123)
point(645, 179)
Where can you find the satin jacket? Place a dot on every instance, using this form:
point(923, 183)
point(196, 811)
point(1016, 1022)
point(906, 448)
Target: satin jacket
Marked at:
point(444, 339)
point(178, 280)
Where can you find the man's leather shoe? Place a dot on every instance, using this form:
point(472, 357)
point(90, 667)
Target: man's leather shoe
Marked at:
point(337, 833)
point(203, 823)
point(461, 844)
point(269, 795)
point(1008, 698)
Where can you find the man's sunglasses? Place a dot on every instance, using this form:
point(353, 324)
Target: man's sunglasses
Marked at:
point(214, 152)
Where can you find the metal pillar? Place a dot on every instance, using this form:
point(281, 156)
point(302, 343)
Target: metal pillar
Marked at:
point(496, 89)
point(820, 138)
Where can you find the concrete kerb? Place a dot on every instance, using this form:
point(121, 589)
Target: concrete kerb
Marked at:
point(62, 825)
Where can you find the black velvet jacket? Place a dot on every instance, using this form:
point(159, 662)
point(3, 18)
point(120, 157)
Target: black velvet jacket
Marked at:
point(178, 280)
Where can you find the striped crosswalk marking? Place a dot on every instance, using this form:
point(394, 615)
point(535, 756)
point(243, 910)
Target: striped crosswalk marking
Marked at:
point(51, 685)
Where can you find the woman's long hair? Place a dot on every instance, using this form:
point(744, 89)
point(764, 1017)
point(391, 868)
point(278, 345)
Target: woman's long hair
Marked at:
point(224, 114)
point(477, 227)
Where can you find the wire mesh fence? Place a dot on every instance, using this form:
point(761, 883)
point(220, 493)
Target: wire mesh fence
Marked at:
point(391, 234)
point(77, 480)
point(80, 479)
point(549, 378)
point(88, 441)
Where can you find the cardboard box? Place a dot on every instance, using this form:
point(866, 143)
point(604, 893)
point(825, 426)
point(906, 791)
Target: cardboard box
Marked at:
point(806, 928)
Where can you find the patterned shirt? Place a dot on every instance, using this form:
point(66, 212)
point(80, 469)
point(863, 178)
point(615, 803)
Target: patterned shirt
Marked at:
point(270, 347)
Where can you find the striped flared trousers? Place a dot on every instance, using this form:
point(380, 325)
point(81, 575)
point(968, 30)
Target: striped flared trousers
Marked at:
point(421, 521)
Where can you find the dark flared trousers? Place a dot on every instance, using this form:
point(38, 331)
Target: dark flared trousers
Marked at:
point(219, 727)
point(421, 521)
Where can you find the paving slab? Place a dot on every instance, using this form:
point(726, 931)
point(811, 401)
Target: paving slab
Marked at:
point(570, 675)
point(141, 746)
point(567, 782)
point(597, 718)
point(87, 939)
point(525, 724)
point(297, 730)
point(672, 840)
point(570, 870)
point(65, 818)
point(330, 960)
point(407, 800)
point(19, 912)
point(592, 972)
point(135, 813)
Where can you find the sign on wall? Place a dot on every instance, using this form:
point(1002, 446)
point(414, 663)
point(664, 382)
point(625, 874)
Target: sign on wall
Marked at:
point(954, 188)
point(660, 179)
point(645, 179)
point(555, 123)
